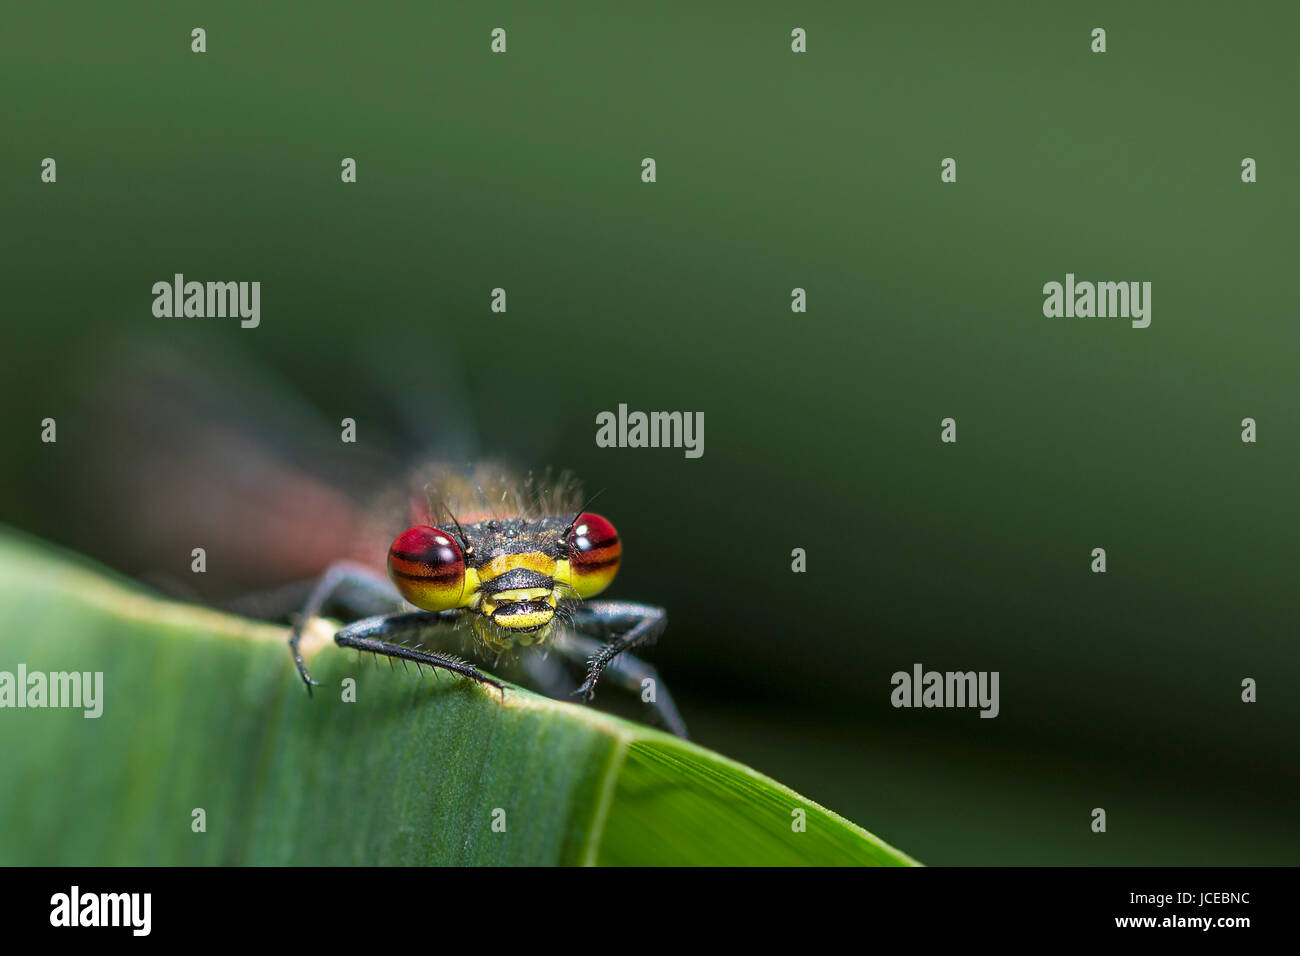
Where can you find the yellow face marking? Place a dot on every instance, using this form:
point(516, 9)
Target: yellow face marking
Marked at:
point(489, 604)
point(522, 594)
point(522, 621)
point(532, 560)
point(469, 597)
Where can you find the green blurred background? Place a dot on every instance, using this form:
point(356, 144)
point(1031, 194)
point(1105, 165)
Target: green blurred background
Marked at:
point(775, 170)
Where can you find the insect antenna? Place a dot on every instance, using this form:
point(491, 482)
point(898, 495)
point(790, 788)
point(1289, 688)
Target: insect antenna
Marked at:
point(582, 511)
point(464, 541)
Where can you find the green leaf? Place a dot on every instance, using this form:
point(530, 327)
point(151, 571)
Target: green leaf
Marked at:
point(202, 711)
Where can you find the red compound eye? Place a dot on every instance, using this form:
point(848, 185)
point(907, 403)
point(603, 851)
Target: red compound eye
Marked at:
point(428, 568)
point(594, 554)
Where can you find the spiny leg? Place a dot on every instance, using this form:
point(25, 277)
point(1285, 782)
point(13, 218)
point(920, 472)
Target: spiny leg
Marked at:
point(623, 624)
point(340, 577)
point(629, 672)
point(392, 635)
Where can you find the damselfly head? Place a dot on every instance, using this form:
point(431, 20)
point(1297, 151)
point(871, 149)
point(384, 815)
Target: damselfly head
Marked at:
point(511, 574)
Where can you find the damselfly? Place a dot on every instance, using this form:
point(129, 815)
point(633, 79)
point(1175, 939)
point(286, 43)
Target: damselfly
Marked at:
point(502, 568)
point(479, 564)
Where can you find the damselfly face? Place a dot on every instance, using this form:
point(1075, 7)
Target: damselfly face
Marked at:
point(513, 555)
point(511, 574)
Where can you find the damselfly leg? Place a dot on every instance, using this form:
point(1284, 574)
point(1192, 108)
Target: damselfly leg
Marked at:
point(352, 583)
point(624, 625)
point(403, 636)
point(629, 672)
